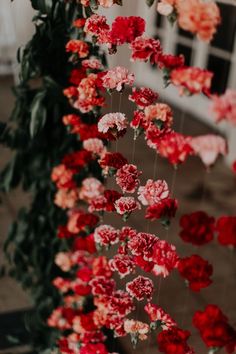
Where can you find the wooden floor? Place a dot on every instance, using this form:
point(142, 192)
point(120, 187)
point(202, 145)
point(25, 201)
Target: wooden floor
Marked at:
point(188, 183)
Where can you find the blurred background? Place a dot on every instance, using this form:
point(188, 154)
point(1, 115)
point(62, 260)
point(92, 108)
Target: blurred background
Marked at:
point(213, 192)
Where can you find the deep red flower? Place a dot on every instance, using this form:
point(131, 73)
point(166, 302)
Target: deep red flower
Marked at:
point(76, 76)
point(166, 209)
point(113, 160)
point(214, 328)
point(63, 232)
point(234, 167)
point(196, 271)
point(77, 159)
point(143, 96)
point(197, 228)
point(169, 61)
point(145, 49)
point(226, 229)
point(85, 244)
point(173, 341)
point(98, 348)
point(126, 29)
point(85, 274)
point(87, 322)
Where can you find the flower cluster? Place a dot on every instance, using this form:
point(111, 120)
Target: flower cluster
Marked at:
point(196, 16)
point(214, 328)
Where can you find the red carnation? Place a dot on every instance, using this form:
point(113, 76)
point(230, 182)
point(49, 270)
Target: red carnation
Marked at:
point(126, 29)
point(196, 271)
point(102, 286)
point(174, 341)
point(143, 97)
point(78, 47)
point(145, 49)
point(175, 147)
point(197, 228)
point(112, 161)
point(63, 232)
point(169, 61)
point(226, 229)
point(76, 76)
point(127, 178)
point(165, 210)
point(140, 288)
point(98, 348)
point(214, 328)
point(234, 167)
point(85, 244)
point(77, 159)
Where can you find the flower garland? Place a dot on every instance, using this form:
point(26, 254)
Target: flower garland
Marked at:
point(91, 300)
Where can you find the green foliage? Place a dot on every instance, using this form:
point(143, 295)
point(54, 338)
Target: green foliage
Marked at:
point(39, 140)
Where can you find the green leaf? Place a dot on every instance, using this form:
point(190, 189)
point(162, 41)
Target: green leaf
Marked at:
point(38, 114)
point(150, 2)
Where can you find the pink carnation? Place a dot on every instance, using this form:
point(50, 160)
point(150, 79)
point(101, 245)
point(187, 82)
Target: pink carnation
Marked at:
point(159, 112)
point(106, 235)
point(136, 328)
point(199, 16)
point(106, 3)
point(66, 198)
point(116, 79)
point(165, 7)
point(153, 192)
point(224, 107)
point(192, 80)
point(157, 314)
point(112, 122)
point(93, 64)
point(95, 146)
point(95, 24)
point(63, 261)
point(125, 205)
point(123, 264)
point(140, 288)
point(165, 258)
point(208, 147)
point(91, 188)
point(127, 178)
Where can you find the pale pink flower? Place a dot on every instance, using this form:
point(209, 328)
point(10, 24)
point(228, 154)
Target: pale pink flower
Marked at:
point(153, 192)
point(199, 16)
point(92, 64)
point(106, 3)
point(66, 198)
point(91, 188)
point(224, 107)
point(208, 147)
point(95, 146)
point(116, 79)
point(159, 111)
point(165, 7)
point(112, 121)
point(106, 235)
point(63, 261)
point(127, 178)
point(137, 328)
point(125, 205)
